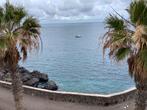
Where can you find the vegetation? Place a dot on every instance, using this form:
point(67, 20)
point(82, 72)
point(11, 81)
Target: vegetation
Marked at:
point(19, 34)
point(127, 39)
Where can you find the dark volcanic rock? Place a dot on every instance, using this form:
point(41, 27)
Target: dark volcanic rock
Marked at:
point(25, 74)
point(51, 85)
point(34, 79)
point(25, 77)
point(32, 82)
point(41, 76)
point(23, 70)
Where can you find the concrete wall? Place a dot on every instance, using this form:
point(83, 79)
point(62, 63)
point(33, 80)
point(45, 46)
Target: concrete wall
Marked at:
point(92, 99)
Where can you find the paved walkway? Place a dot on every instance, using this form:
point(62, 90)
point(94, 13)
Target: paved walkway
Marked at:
point(37, 103)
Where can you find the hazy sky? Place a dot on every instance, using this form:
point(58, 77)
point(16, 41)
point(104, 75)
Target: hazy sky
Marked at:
point(72, 9)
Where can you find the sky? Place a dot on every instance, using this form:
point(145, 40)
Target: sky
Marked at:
point(72, 10)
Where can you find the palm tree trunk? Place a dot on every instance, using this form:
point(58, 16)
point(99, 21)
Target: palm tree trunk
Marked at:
point(11, 59)
point(141, 95)
point(17, 90)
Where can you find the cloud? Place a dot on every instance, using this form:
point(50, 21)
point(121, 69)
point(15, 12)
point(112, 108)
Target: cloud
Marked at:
point(72, 9)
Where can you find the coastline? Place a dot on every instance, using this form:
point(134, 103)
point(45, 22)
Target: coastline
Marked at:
point(81, 98)
point(30, 78)
point(38, 103)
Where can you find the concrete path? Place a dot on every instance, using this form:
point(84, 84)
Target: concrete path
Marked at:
point(37, 103)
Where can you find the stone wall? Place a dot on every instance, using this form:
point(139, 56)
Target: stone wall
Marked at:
point(91, 99)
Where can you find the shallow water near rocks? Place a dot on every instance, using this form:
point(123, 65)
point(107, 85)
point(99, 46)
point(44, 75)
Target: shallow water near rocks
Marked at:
point(76, 64)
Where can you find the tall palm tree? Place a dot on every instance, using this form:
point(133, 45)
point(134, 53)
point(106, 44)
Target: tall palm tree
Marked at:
point(19, 34)
point(127, 39)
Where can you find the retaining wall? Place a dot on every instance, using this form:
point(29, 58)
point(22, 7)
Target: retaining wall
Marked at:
point(91, 99)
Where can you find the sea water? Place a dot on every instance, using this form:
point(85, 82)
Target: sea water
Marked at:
point(76, 63)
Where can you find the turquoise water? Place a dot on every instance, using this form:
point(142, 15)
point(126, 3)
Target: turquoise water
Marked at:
point(76, 64)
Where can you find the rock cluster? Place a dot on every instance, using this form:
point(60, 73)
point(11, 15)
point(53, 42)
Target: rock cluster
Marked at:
point(34, 79)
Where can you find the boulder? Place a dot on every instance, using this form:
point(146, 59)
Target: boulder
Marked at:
point(41, 76)
point(25, 74)
point(1, 75)
point(51, 85)
point(34, 79)
point(25, 77)
point(23, 70)
point(32, 82)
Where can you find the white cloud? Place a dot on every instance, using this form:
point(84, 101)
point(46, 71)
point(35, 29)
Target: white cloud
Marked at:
point(72, 9)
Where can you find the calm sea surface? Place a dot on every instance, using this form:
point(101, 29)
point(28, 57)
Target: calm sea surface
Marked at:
point(76, 64)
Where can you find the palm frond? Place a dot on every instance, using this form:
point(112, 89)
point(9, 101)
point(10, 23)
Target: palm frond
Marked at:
point(17, 31)
point(138, 12)
point(122, 53)
point(19, 14)
point(127, 21)
point(9, 12)
point(13, 15)
point(115, 41)
point(113, 22)
point(31, 27)
point(24, 52)
point(123, 43)
point(118, 35)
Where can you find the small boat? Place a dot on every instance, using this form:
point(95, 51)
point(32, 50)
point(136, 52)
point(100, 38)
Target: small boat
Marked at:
point(78, 36)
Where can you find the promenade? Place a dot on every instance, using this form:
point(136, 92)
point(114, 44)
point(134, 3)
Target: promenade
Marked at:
point(38, 103)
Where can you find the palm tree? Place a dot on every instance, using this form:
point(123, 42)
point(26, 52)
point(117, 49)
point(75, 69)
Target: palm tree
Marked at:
point(19, 34)
point(127, 40)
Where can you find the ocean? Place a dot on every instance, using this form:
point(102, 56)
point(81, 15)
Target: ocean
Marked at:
point(76, 64)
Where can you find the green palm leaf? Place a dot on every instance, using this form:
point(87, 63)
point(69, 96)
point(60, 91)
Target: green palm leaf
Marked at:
point(115, 23)
point(31, 26)
point(19, 14)
point(122, 53)
point(138, 12)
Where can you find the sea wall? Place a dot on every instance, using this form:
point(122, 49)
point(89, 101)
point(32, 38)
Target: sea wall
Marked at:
point(91, 99)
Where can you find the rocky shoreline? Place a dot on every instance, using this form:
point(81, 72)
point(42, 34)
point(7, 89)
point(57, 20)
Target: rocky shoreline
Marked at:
point(33, 79)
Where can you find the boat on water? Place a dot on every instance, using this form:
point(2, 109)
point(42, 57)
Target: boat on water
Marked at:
point(78, 36)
